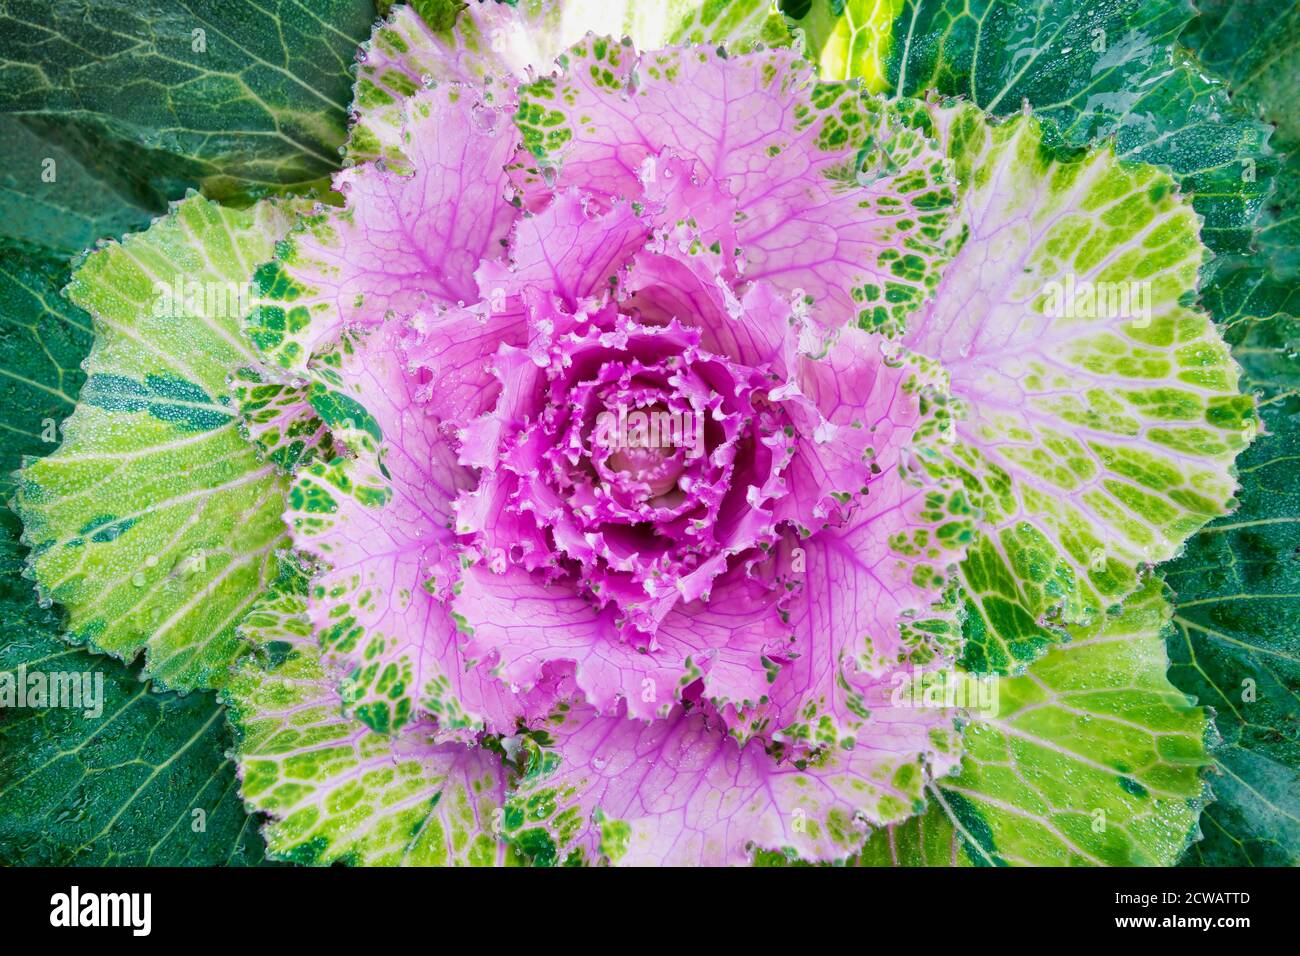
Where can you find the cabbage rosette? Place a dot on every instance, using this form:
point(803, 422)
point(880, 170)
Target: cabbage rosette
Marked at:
point(660, 456)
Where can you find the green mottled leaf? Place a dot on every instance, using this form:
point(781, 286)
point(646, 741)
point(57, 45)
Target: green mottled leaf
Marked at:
point(237, 96)
point(1095, 436)
point(1093, 757)
point(335, 790)
point(155, 523)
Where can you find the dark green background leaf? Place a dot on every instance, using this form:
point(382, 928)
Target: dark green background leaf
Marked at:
point(1256, 47)
point(1237, 643)
point(43, 339)
point(1237, 648)
point(258, 99)
point(119, 789)
point(63, 193)
point(1098, 68)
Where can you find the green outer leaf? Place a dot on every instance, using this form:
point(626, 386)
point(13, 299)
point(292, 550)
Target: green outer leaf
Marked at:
point(119, 789)
point(49, 211)
point(43, 339)
point(335, 790)
point(1237, 583)
point(260, 102)
point(1255, 47)
point(155, 523)
point(1093, 726)
point(1256, 314)
point(1140, 88)
point(1236, 645)
point(108, 172)
point(60, 192)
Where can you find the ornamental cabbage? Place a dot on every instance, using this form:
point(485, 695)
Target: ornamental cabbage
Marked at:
point(656, 454)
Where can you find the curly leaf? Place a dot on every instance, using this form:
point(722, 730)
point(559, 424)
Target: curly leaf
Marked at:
point(440, 41)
